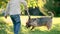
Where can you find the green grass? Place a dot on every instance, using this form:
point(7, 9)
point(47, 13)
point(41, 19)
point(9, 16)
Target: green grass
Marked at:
point(6, 26)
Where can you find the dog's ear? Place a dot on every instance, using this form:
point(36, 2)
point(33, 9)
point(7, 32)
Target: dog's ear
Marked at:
point(26, 23)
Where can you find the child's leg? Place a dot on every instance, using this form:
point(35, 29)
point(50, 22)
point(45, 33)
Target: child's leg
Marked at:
point(16, 23)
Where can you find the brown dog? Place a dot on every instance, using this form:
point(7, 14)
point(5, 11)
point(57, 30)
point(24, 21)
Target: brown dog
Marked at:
point(43, 21)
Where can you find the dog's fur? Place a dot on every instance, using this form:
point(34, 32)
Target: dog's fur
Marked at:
point(43, 21)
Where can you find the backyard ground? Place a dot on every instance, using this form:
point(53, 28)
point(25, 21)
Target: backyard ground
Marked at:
point(6, 26)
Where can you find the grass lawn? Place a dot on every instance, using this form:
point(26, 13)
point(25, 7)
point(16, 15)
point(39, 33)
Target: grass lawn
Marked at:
point(6, 26)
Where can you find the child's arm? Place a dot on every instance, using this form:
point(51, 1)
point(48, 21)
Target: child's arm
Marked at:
point(25, 3)
point(7, 10)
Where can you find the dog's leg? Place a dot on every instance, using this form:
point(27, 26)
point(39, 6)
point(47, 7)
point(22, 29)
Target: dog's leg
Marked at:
point(49, 25)
point(32, 28)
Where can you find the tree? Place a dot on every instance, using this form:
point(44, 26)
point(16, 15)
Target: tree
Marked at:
point(54, 6)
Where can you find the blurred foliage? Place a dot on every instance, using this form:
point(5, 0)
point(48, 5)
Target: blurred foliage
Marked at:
point(3, 3)
point(54, 6)
point(44, 6)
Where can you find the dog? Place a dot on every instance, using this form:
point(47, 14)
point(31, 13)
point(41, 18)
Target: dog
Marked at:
point(43, 21)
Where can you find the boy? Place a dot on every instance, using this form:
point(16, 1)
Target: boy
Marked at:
point(13, 9)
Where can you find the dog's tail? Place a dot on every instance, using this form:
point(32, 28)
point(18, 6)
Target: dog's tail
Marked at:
point(52, 15)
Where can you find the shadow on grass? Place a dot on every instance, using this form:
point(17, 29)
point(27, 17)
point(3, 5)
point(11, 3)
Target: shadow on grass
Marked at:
point(4, 28)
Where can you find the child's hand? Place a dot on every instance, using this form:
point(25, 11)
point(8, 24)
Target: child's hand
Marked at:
point(6, 17)
point(26, 8)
